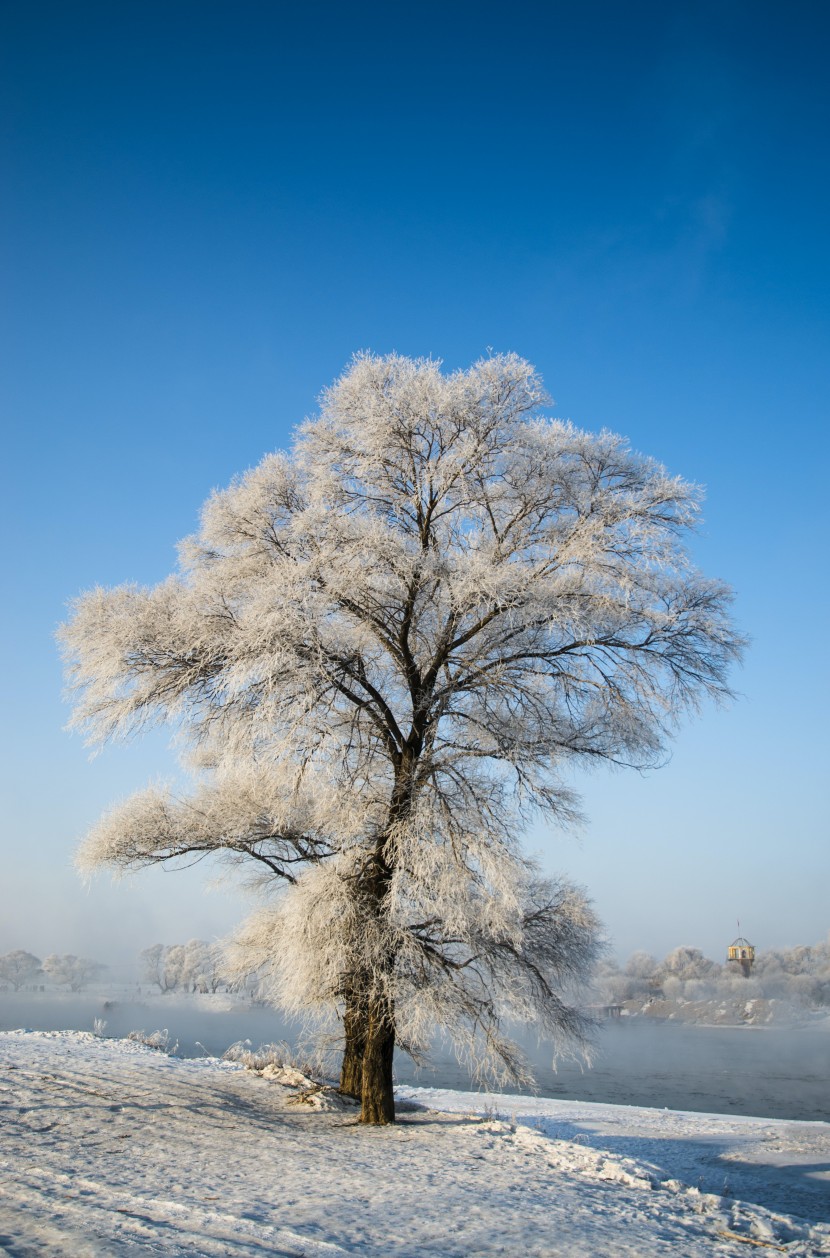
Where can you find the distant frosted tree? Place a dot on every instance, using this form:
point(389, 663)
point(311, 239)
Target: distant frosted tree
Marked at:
point(205, 966)
point(686, 963)
point(151, 961)
point(19, 968)
point(192, 967)
point(382, 650)
point(641, 965)
point(800, 974)
point(71, 971)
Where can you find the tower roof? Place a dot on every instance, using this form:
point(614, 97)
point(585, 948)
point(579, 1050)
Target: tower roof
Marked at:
point(740, 942)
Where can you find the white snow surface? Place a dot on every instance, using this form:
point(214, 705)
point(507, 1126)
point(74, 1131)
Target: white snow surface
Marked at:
point(108, 1148)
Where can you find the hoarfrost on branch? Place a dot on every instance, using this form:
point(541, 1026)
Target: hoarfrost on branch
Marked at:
point(381, 651)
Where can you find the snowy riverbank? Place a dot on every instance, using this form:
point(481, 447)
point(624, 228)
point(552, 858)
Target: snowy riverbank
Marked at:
point(770, 1072)
point(110, 1149)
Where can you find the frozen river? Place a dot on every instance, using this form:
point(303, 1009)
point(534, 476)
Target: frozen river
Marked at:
point(765, 1072)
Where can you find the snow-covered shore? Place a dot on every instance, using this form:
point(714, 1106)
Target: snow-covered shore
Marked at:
point(107, 1148)
point(766, 1071)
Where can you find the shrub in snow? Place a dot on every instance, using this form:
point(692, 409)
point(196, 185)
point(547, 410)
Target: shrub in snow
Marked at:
point(159, 1040)
point(279, 1056)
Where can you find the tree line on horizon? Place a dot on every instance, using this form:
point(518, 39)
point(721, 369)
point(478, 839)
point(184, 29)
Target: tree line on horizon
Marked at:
point(23, 969)
point(798, 975)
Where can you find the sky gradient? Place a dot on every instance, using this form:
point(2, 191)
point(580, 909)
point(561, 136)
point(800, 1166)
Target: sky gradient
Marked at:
point(207, 208)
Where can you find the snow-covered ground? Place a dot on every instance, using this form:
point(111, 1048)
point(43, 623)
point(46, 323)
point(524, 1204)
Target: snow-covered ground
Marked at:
point(107, 1148)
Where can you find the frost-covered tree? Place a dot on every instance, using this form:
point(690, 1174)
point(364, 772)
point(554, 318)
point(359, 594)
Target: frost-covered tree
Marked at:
point(71, 971)
point(19, 968)
point(192, 967)
point(686, 963)
point(205, 966)
point(382, 650)
point(153, 968)
point(641, 966)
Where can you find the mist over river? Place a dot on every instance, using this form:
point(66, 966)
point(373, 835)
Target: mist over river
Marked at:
point(766, 1072)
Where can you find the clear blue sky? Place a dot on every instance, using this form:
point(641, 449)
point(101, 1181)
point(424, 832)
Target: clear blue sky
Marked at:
point(207, 207)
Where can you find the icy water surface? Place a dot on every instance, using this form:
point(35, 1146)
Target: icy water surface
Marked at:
point(765, 1072)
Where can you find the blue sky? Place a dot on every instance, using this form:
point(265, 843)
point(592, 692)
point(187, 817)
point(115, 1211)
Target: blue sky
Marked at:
point(207, 208)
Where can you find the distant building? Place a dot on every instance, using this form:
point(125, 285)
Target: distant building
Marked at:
point(742, 952)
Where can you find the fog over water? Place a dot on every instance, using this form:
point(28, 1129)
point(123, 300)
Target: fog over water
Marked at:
point(767, 1072)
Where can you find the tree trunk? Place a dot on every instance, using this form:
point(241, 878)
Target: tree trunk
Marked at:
point(354, 1029)
point(374, 1008)
point(378, 1102)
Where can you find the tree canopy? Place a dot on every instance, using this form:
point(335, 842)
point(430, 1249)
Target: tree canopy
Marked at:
point(73, 971)
point(20, 968)
point(382, 650)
